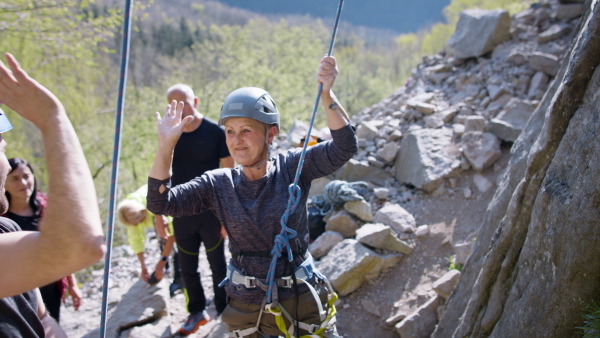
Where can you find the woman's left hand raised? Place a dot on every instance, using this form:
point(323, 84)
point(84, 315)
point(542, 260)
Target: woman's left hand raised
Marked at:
point(170, 127)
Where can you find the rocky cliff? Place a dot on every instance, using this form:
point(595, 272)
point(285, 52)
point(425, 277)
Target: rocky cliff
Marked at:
point(535, 265)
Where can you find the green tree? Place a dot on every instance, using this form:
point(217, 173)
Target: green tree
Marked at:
point(59, 43)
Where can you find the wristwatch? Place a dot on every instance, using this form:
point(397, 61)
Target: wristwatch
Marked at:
point(164, 258)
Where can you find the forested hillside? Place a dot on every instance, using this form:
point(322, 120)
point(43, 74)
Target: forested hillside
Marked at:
point(72, 47)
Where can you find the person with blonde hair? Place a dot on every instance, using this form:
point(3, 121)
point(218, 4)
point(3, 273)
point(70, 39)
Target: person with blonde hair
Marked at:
point(133, 214)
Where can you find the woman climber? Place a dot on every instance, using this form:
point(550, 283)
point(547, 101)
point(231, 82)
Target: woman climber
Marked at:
point(250, 200)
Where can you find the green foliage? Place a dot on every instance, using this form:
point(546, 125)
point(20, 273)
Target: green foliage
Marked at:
point(591, 327)
point(69, 46)
point(279, 57)
point(436, 39)
point(55, 42)
point(453, 265)
point(58, 43)
point(168, 39)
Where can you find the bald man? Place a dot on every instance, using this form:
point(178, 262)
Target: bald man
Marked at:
point(201, 148)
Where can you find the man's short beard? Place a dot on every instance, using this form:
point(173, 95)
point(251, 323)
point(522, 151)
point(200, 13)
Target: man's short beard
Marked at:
point(3, 204)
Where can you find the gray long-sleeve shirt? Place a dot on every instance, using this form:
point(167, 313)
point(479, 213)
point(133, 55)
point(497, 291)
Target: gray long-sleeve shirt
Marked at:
point(251, 210)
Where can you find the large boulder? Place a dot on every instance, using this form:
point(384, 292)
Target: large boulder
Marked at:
point(381, 236)
point(427, 157)
point(324, 243)
point(343, 223)
point(478, 32)
point(446, 284)
point(355, 170)
point(481, 149)
point(397, 217)
point(350, 264)
point(535, 262)
point(543, 62)
point(142, 308)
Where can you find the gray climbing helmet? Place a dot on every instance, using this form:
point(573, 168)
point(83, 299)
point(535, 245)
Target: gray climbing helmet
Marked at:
point(251, 102)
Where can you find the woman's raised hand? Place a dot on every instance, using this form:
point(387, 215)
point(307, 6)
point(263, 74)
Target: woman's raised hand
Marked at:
point(170, 127)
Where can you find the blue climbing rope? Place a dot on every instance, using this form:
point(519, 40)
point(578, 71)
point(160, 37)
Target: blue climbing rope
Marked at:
point(115, 160)
point(282, 240)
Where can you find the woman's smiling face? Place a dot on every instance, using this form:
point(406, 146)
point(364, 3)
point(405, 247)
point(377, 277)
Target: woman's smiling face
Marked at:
point(246, 140)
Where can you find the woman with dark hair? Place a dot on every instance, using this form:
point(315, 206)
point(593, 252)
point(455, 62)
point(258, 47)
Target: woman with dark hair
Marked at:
point(26, 208)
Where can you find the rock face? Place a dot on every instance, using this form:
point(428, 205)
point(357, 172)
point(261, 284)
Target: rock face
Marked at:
point(539, 241)
point(509, 123)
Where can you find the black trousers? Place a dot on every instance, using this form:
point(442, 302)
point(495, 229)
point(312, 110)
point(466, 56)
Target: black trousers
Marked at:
point(190, 231)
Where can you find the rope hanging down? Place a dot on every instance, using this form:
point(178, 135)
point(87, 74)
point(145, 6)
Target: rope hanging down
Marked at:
point(115, 161)
point(282, 240)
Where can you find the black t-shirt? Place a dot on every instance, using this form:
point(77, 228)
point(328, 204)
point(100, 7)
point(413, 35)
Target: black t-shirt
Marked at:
point(198, 151)
point(18, 314)
point(26, 223)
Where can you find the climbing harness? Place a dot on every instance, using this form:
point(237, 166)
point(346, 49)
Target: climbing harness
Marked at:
point(115, 161)
point(302, 275)
point(282, 242)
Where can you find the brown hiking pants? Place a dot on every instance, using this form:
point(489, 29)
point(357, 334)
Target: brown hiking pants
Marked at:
point(240, 316)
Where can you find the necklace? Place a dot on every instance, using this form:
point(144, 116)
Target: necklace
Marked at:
point(257, 165)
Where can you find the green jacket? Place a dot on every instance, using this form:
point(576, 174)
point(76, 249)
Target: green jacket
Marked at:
point(136, 235)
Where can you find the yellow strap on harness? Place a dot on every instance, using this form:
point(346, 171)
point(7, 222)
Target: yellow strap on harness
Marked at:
point(280, 321)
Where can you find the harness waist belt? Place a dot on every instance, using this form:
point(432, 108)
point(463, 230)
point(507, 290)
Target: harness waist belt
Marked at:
point(265, 254)
point(304, 272)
